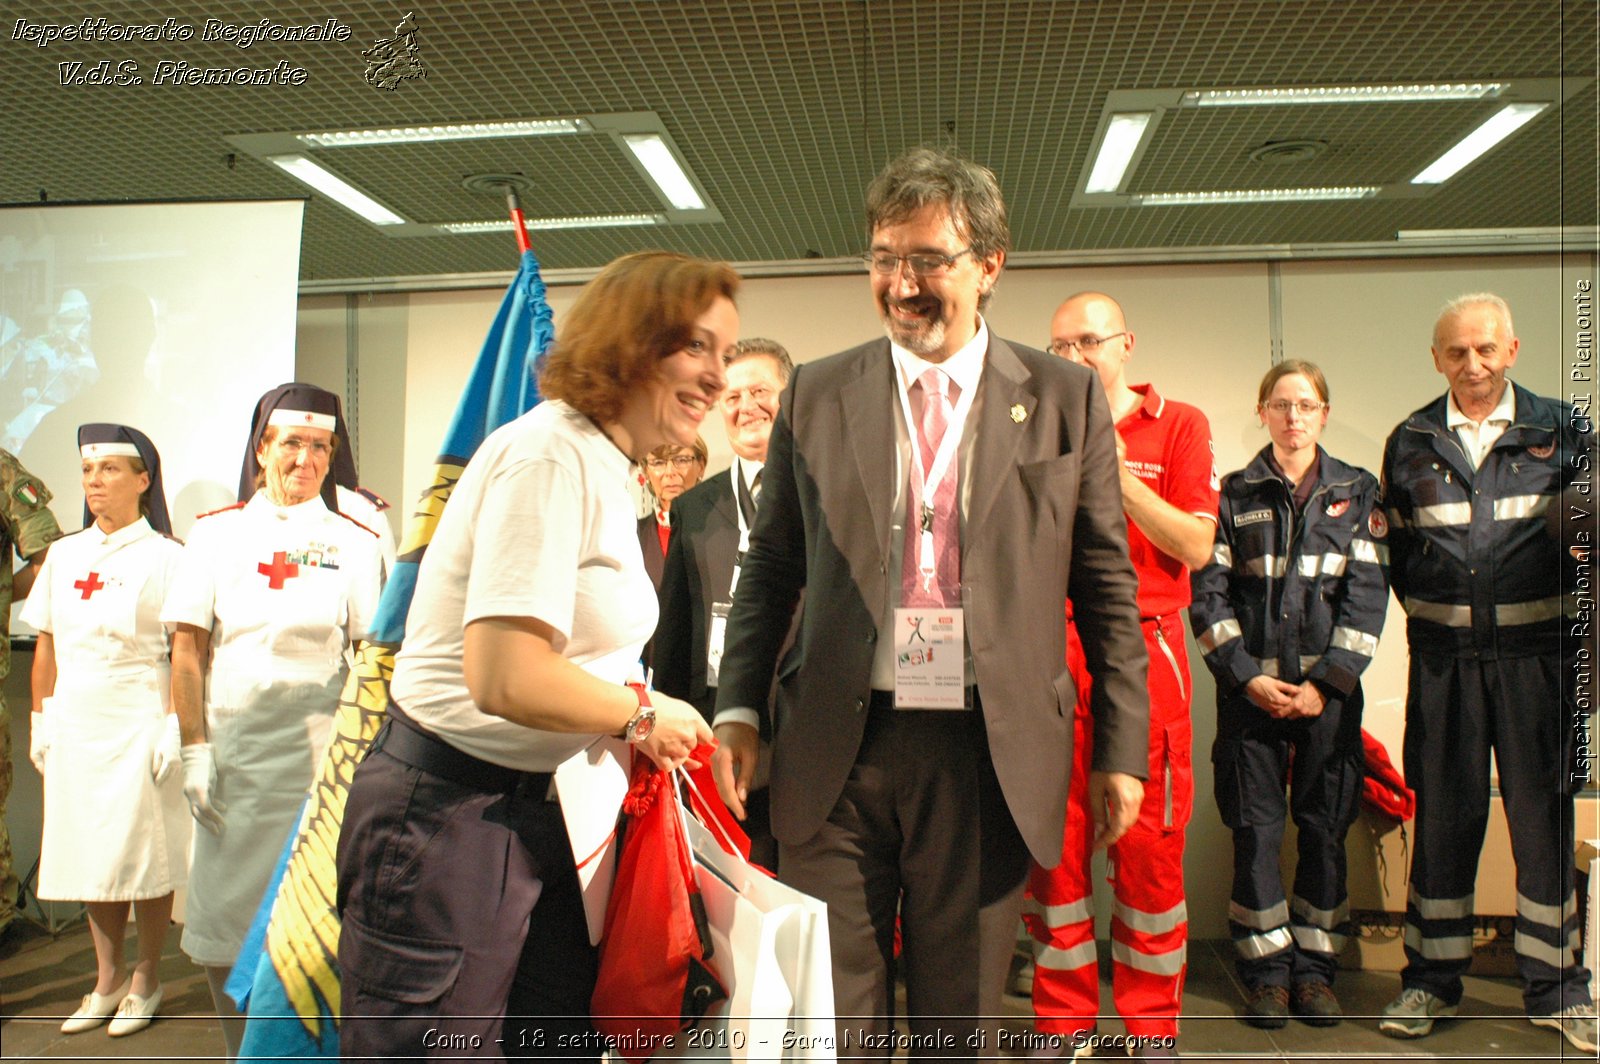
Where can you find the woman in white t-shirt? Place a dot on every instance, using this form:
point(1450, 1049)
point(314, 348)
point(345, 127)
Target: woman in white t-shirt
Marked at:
point(458, 890)
point(116, 829)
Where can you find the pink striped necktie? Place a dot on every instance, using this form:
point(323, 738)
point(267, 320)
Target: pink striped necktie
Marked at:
point(936, 403)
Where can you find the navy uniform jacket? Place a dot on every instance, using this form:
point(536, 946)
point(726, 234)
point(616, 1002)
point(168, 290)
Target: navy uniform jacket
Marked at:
point(1297, 596)
point(1472, 563)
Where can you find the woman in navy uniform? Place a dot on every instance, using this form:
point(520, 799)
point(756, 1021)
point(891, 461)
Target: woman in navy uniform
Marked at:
point(269, 595)
point(116, 830)
point(1288, 614)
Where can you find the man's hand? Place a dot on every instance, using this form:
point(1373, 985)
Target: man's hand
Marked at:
point(1114, 800)
point(1271, 695)
point(734, 764)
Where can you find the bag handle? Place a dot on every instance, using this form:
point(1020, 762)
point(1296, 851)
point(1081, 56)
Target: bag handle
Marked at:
point(711, 821)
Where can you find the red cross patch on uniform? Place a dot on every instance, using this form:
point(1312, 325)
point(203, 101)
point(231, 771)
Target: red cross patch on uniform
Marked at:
point(1338, 507)
point(1377, 524)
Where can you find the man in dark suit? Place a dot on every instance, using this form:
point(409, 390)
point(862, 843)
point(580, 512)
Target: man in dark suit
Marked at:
point(882, 804)
point(711, 534)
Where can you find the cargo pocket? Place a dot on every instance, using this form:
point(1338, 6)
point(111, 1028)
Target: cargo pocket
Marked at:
point(405, 971)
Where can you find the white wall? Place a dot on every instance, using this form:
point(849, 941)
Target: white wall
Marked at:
point(1204, 334)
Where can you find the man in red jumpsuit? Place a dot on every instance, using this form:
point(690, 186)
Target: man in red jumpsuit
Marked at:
point(1169, 493)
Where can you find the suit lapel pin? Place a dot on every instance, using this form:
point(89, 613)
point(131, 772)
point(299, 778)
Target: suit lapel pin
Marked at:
point(1018, 414)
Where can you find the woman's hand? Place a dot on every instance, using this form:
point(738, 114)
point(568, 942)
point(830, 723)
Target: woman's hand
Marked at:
point(1271, 695)
point(679, 728)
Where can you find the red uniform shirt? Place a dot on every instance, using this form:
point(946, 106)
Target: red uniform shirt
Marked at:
point(1169, 448)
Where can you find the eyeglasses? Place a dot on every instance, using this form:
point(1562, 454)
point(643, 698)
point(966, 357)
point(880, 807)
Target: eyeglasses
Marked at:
point(922, 264)
point(1305, 407)
point(680, 462)
point(1085, 344)
point(295, 445)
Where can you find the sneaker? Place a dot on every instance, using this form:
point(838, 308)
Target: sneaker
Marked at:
point(1267, 1008)
point(1411, 1015)
point(134, 1014)
point(1150, 1051)
point(95, 1009)
point(1576, 1024)
point(1315, 1004)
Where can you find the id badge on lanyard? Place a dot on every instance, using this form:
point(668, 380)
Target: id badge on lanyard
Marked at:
point(930, 657)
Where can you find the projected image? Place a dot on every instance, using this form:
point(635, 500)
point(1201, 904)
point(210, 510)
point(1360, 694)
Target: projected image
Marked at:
point(138, 314)
point(39, 373)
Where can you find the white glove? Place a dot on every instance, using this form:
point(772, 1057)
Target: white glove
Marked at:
point(38, 740)
point(168, 752)
point(199, 780)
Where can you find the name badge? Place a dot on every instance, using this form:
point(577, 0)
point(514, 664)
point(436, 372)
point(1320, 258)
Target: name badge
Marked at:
point(930, 658)
point(719, 629)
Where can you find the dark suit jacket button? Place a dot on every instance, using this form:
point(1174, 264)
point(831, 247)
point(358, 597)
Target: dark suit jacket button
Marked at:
point(860, 705)
point(872, 635)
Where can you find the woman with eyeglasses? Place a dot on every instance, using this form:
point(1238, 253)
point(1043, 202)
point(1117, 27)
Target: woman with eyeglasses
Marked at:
point(670, 470)
point(116, 832)
point(1288, 614)
point(269, 595)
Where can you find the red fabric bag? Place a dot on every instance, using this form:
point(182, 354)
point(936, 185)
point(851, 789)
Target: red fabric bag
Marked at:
point(1384, 790)
point(653, 980)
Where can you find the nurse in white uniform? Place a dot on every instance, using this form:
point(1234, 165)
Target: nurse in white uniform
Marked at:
point(271, 593)
point(116, 829)
point(360, 504)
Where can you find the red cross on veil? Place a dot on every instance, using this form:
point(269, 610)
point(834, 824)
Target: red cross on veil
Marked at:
point(278, 570)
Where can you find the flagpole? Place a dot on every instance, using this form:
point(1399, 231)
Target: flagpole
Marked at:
point(518, 226)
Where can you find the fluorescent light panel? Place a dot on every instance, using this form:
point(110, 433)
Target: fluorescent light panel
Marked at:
point(1341, 94)
point(1257, 195)
point(335, 188)
point(658, 161)
point(577, 221)
point(1123, 134)
point(1498, 127)
point(351, 138)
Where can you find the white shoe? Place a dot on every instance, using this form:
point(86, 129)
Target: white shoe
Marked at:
point(1576, 1024)
point(1411, 1015)
point(96, 1009)
point(134, 1014)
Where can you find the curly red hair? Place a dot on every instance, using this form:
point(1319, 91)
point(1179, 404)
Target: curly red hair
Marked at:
point(638, 310)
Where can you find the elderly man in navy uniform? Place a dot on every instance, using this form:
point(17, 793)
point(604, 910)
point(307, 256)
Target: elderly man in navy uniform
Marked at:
point(1467, 480)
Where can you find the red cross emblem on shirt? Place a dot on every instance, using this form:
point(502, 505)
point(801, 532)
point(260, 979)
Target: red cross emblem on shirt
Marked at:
point(89, 586)
point(278, 570)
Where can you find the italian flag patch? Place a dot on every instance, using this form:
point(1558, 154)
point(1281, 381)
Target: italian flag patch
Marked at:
point(26, 493)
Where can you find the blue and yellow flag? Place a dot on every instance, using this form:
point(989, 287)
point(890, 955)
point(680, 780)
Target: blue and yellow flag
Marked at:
point(290, 981)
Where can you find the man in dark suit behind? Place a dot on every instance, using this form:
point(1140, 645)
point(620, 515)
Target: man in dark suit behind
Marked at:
point(929, 813)
point(712, 530)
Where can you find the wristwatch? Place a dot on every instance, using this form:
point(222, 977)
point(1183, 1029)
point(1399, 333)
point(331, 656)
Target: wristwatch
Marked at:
point(639, 727)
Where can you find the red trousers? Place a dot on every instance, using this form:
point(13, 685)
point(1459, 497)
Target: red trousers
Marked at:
point(1149, 922)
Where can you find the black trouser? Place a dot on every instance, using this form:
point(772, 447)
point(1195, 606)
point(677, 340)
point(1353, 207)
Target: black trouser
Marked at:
point(1457, 710)
point(463, 927)
point(1320, 759)
point(921, 831)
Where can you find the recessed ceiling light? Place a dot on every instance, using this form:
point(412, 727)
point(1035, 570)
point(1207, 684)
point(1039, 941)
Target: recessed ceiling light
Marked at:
point(1498, 127)
point(577, 221)
point(662, 167)
point(1341, 94)
point(335, 188)
point(1117, 148)
point(1256, 195)
point(352, 138)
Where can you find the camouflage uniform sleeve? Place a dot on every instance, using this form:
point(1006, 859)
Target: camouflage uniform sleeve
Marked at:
point(29, 526)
